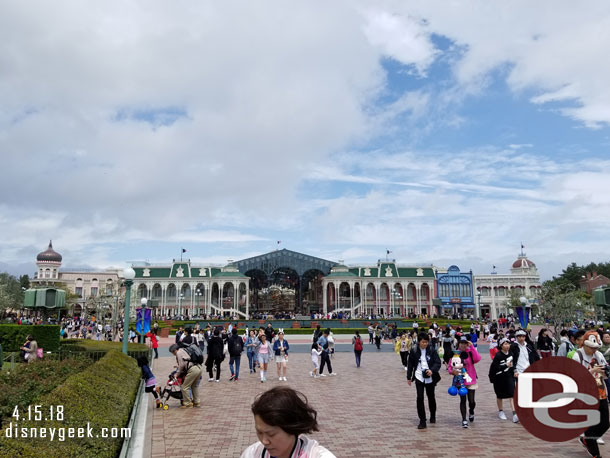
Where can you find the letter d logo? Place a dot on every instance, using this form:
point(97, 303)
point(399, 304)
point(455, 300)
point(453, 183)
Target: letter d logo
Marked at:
point(526, 389)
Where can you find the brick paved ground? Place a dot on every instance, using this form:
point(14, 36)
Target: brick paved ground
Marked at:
point(366, 412)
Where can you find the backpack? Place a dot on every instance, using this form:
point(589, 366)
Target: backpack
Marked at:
point(236, 348)
point(358, 344)
point(195, 354)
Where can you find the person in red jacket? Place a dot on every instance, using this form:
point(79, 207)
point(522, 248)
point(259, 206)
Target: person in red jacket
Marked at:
point(154, 342)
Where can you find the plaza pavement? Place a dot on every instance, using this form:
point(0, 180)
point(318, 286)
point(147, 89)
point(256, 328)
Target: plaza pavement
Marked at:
point(365, 412)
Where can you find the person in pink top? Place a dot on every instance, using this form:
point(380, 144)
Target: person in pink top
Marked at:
point(469, 356)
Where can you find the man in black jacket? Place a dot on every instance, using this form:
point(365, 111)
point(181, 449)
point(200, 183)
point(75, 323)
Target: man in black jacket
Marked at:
point(423, 366)
point(236, 347)
point(523, 349)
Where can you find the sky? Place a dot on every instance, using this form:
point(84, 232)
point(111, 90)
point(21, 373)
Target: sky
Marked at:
point(448, 132)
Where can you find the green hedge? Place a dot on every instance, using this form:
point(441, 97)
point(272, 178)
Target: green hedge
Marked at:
point(30, 381)
point(98, 348)
point(13, 336)
point(103, 396)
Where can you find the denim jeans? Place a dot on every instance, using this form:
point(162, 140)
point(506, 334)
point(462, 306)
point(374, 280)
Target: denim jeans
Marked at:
point(251, 360)
point(358, 354)
point(237, 361)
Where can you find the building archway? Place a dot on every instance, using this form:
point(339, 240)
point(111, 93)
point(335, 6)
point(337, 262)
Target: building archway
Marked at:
point(258, 284)
point(312, 291)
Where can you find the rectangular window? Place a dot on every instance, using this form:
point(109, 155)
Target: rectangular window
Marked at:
point(410, 296)
point(485, 292)
point(94, 291)
point(79, 291)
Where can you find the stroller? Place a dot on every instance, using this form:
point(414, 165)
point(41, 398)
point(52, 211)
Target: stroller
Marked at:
point(171, 390)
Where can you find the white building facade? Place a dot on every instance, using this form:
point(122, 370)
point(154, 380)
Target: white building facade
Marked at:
point(493, 291)
point(386, 289)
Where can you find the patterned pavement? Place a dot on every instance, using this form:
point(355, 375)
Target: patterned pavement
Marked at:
point(365, 412)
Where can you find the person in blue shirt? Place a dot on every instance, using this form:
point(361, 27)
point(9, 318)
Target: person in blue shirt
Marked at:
point(473, 337)
point(323, 343)
point(280, 348)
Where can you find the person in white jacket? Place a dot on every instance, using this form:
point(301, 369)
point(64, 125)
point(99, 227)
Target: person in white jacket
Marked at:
point(282, 417)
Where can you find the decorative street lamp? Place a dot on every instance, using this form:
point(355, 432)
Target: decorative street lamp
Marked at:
point(129, 275)
point(198, 294)
point(479, 305)
point(180, 297)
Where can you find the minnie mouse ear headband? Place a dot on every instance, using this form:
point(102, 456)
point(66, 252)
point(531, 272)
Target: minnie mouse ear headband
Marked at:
point(520, 332)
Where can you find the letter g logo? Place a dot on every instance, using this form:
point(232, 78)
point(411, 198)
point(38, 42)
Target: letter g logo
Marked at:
point(557, 399)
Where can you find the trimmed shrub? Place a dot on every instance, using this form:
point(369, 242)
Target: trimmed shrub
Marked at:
point(98, 348)
point(13, 336)
point(28, 382)
point(101, 396)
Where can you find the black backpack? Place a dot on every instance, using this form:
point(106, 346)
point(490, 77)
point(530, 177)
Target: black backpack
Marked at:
point(195, 354)
point(236, 348)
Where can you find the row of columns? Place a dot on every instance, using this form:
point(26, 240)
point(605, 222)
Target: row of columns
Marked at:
point(194, 302)
point(377, 305)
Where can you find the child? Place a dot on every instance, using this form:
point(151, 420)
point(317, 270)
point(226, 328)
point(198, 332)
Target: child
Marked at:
point(315, 359)
point(150, 379)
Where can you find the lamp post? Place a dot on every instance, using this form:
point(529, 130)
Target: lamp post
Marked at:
point(198, 294)
point(180, 297)
point(479, 305)
point(129, 275)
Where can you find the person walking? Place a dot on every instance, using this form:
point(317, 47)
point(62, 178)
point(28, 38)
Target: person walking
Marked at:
point(280, 349)
point(404, 346)
point(501, 374)
point(371, 331)
point(448, 345)
point(264, 350)
point(251, 343)
point(236, 347)
point(378, 337)
point(423, 368)
point(469, 356)
point(315, 359)
point(323, 343)
point(589, 356)
point(215, 356)
point(358, 346)
point(544, 344)
point(154, 343)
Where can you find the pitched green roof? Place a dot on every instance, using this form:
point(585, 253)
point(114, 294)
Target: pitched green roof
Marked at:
point(229, 275)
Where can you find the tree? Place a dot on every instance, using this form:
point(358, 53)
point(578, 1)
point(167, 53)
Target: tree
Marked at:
point(563, 304)
point(24, 280)
point(573, 274)
point(11, 294)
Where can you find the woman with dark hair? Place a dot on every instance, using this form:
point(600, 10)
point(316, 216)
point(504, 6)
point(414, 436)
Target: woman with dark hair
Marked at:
point(544, 344)
point(282, 417)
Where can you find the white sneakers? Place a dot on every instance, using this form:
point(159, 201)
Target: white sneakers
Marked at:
point(406, 369)
point(502, 415)
point(284, 378)
point(322, 375)
point(210, 380)
point(332, 374)
point(310, 373)
point(515, 418)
